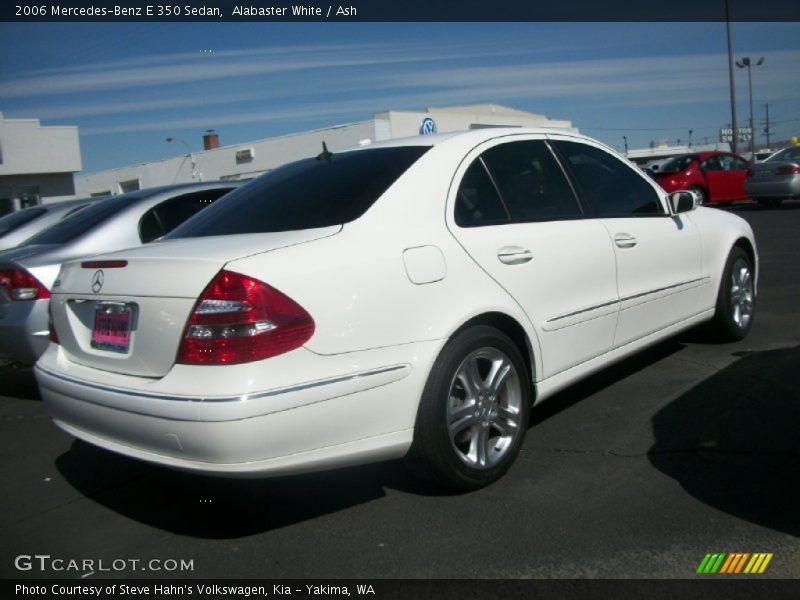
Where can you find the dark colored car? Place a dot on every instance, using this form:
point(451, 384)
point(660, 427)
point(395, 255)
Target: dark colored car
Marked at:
point(714, 177)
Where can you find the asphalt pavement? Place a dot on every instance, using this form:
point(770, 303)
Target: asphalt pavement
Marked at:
point(686, 449)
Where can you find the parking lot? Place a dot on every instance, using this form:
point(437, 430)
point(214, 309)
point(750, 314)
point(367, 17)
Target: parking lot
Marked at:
point(640, 471)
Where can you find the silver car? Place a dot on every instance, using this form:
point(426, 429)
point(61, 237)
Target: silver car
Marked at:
point(18, 226)
point(28, 272)
point(775, 179)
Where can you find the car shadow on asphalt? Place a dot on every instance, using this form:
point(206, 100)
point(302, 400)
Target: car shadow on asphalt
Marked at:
point(221, 508)
point(217, 508)
point(755, 207)
point(18, 383)
point(607, 377)
point(732, 441)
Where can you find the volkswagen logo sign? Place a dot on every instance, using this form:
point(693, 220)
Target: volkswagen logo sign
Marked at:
point(428, 126)
point(97, 282)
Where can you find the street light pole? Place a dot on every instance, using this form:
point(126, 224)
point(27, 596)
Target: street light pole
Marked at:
point(188, 154)
point(735, 138)
point(745, 62)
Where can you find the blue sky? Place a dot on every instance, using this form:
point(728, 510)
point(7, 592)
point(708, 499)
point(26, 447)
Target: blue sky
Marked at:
point(130, 85)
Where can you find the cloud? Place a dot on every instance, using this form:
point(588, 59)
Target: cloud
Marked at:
point(184, 68)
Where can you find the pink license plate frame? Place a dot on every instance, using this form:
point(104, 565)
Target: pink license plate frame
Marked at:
point(112, 328)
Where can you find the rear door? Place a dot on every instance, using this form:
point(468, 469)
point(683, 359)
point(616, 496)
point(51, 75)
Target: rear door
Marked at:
point(515, 213)
point(657, 254)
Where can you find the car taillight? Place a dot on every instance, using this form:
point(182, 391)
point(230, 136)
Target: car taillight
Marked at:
point(239, 319)
point(51, 328)
point(21, 285)
point(788, 170)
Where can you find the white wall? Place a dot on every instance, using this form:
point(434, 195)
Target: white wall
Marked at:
point(220, 163)
point(29, 148)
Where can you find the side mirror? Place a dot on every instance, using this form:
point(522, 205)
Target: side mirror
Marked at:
point(682, 201)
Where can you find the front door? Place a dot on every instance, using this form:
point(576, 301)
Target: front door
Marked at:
point(657, 254)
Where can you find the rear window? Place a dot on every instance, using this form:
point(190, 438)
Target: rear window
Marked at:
point(78, 223)
point(786, 154)
point(17, 219)
point(310, 193)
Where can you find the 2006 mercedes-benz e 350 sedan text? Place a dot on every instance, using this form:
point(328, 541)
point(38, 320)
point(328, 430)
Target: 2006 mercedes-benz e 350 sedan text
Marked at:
point(410, 298)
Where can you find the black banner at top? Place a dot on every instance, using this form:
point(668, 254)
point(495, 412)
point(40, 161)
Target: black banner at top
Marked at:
point(399, 10)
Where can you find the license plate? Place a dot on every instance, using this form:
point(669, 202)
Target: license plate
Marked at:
point(112, 328)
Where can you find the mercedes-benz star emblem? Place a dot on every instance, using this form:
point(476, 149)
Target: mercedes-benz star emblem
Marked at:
point(97, 282)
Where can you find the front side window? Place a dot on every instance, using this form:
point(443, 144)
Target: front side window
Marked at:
point(607, 186)
point(739, 164)
point(712, 164)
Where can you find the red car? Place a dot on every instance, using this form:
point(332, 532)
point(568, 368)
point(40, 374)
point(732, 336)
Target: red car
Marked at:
point(714, 177)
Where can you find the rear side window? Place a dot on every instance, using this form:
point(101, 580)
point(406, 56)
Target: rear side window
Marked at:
point(531, 182)
point(477, 200)
point(311, 193)
point(608, 187)
point(679, 163)
point(82, 221)
point(164, 217)
point(17, 219)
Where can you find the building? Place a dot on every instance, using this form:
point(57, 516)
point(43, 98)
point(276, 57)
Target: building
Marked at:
point(250, 159)
point(37, 163)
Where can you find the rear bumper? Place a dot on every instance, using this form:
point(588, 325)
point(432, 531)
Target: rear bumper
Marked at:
point(787, 188)
point(23, 330)
point(335, 419)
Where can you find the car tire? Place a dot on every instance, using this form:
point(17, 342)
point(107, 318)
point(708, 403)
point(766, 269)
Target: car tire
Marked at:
point(700, 194)
point(735, 308)
point(474, 411)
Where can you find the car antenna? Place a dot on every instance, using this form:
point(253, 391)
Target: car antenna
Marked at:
point(325, 154)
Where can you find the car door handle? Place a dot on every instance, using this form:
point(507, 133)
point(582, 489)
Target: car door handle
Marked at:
point(514, 255)
point(624, 240)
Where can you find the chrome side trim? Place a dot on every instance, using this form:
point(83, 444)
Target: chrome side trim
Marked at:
point(626, 299)
point(240, 398)
point(582, 310)
point(664, 289)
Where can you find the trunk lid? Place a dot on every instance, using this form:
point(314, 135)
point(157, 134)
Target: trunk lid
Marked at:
point(150, 292)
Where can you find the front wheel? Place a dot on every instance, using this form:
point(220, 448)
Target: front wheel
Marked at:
point(736, 298)
point(473, 412)
point(700, 194)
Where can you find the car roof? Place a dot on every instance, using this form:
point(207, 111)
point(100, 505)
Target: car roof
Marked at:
point(473, 135)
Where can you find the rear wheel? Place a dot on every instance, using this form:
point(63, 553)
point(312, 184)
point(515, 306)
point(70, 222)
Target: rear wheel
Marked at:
point(736, 298)
point(700, 194)
point(474, 411)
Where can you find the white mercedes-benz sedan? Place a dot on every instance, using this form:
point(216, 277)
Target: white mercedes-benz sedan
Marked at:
point(412, 298)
